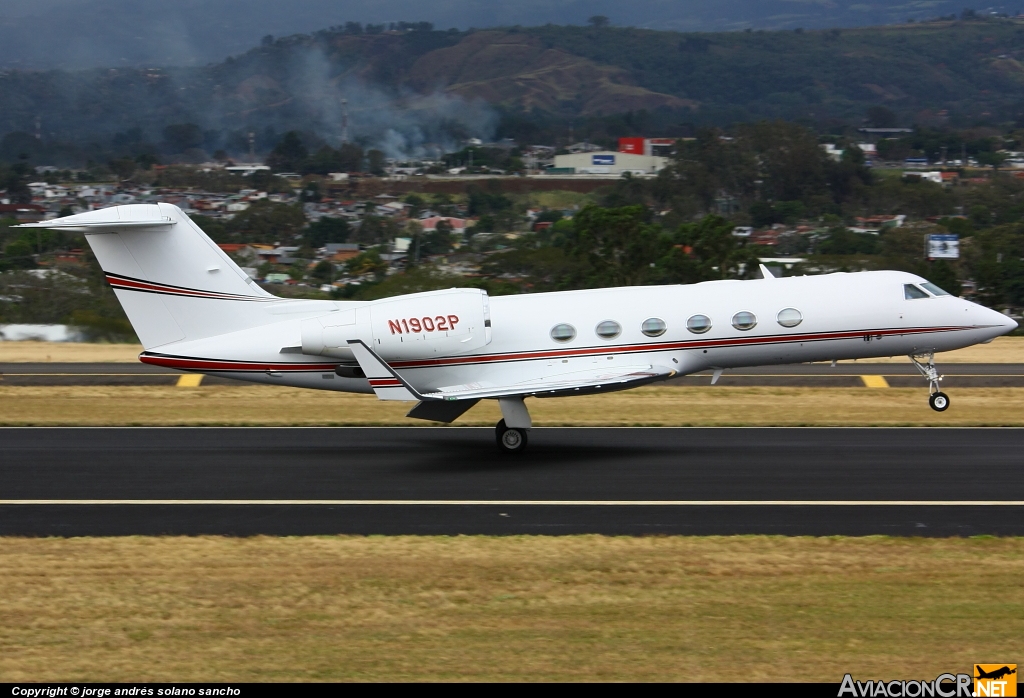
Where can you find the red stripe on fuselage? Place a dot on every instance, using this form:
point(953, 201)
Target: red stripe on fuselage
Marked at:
point(667, 346)
point(213, 365)
point(188, 364)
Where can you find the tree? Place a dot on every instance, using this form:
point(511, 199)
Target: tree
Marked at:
point(267, 222)
point(323, 272)
point(182, 137)
point(881, 117)
point(376, 162)
point(368, 262)
point(326, 230)
point(708, 250)
point(614, 247)
point(350, 157)
point(122, 167)
point(289, 155)
point(993, 160)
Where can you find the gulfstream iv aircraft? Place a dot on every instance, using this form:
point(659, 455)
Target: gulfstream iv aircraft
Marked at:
point(195, 310)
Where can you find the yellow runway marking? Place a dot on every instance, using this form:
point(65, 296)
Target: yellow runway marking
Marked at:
point(190, 380)
point(875, 381)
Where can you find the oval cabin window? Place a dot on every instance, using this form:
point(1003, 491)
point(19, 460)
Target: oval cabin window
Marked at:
point(653, 327)
point(698, 324)
point(609, 329)
point(563, 333)
point(789, 317)
point(744, 320)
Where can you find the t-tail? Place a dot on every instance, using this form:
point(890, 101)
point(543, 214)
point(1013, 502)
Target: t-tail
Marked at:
point(173, 281)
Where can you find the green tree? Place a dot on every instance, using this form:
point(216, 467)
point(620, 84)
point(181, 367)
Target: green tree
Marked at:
point(415, 280)
point(266, 222)
point(289, 155)
point(182, 137)
point(326, 230)
point(708, 250)
point(368, 262)
point(323, 272)
point(376, 162)
point(614, 247)
point(842, 241)
point(122, 167)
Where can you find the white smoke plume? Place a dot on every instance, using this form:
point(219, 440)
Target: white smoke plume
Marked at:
point(402, 123)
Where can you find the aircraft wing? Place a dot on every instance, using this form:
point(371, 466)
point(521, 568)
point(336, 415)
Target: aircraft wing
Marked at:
point(389, 385)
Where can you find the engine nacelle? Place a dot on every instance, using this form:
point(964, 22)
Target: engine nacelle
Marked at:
point(414, 326)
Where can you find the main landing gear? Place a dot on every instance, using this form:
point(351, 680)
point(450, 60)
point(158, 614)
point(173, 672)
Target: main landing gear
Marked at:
point(510, 433)
point(938, 400)
point(510, 440)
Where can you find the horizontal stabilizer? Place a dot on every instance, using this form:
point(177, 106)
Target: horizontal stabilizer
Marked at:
point(66, 224)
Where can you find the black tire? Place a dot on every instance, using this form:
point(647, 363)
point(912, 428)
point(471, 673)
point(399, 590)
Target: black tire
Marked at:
point(510, 440)
point(939, 402)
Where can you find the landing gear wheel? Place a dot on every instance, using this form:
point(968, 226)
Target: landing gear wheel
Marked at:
point(510, 440)
point(939, 402)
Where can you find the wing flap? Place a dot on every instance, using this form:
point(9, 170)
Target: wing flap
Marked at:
point(389, 385)
point(577, 383)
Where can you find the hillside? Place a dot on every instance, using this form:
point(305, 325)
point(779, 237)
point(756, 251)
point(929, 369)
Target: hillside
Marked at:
point(76, 34)
point(412, 85)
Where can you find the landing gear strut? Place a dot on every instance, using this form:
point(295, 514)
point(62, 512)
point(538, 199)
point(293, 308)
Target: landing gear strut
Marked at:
point(938, 400)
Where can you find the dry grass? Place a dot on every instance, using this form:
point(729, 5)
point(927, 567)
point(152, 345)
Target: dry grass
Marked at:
point(68, 352)
point(1001, 351)
point(649, 406)
point(478, 608)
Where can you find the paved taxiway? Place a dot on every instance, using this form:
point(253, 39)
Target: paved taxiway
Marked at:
point(109, 481)
point(897, 375)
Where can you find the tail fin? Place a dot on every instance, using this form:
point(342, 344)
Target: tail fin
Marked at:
point(172, 280)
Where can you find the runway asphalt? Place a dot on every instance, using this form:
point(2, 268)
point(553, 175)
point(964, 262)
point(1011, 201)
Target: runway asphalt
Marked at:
point(897, 375)
point(288, 481)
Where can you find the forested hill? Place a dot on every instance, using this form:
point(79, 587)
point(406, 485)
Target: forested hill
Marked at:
point(925, 72)
point(73, 34)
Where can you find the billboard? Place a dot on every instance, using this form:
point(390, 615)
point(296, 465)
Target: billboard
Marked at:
point(602, 160)
point(631, 145)
point(942, 246)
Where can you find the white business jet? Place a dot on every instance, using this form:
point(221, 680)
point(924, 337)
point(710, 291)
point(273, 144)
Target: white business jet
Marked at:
point(195, 310)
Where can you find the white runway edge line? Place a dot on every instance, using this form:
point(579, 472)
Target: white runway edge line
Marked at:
point(521, 502)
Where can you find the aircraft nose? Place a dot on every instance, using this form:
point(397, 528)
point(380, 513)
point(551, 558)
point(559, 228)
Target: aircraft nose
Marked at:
point(1003, 322)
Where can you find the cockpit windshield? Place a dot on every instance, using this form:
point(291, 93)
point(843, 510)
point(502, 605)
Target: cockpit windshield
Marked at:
point(912, 292)
point(933, 289)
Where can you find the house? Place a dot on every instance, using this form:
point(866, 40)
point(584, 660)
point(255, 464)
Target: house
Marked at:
point(72, 257)
point(339, 252)
point(768, 238)
point(278, 255)
point(881, 222)
point(430, 224)
point(22, 212)
point(240, 251)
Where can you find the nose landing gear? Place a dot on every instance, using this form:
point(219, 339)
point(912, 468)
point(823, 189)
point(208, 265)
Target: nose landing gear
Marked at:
point(938, 400)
